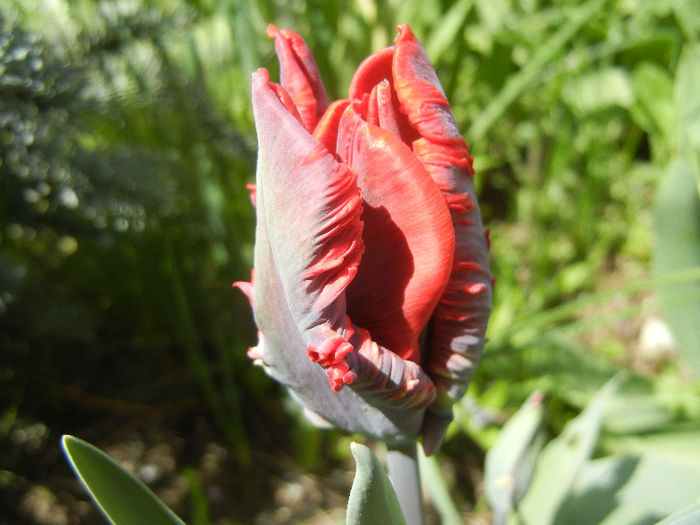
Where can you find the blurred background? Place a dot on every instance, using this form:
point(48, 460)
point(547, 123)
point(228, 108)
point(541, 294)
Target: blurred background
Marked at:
point(126, 141)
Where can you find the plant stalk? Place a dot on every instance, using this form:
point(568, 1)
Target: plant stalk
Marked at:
point(403, 473)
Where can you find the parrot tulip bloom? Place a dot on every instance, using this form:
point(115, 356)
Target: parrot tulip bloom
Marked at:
point(372, 287)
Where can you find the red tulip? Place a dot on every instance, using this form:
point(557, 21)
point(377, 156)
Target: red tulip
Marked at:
point(371, 262)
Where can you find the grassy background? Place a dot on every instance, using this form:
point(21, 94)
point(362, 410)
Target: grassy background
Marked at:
point(126, 143)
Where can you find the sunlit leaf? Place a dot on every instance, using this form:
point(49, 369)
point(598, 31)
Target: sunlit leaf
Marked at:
point(677, 228)
point(688, 108)
point(510, 463)
point(438, 491)
point(627, 489)
point(372, 498)
point(124, 499)
point(562, 459)
point(525, 77)
point(653, 108)
point(687, 516)
point(599, 89)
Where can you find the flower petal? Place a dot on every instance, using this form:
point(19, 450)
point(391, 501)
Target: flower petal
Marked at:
point(408, 237)
point(382, 110)
point(299, 75)
point(311, 211)
point(326, 131)
point(308, 247)
point(370, 72)
point(459, 324)
point(373, 71)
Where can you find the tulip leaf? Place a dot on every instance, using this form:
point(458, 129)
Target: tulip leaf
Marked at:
point(677, 214)
point(677, 221)
point(624, 489)
point(563, 458)
point(687, 516)
point(510, 463)
point(372, 498)
point(687, 107)
point(124, 499)
point(438, 491)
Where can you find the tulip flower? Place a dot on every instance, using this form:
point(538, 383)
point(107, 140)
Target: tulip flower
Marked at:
point(371, 287)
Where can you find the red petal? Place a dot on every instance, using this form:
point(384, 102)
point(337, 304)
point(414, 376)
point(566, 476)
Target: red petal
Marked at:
point(370, 72)
point(299, 75)
point(326, 131)
point(408, 237)
point(286, 101)
point(381, 108)
point(422, 98)
point(459, 324)
point(383, 374)
point(374, 70)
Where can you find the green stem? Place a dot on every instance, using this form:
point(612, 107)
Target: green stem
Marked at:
point(403, 473)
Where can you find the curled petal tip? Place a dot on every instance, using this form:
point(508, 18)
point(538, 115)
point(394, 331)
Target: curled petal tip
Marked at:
point(252, 189)
point(255, 353)
point(404, 31)
point(261, 77)
point(340, 376)
point(299, 75)
point(331, 354)
point(246, 288)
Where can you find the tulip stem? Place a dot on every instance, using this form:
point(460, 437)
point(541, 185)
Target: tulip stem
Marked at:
point(403, 473)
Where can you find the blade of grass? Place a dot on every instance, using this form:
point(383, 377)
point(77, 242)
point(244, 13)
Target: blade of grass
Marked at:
point(538, 322)
point(517, 83)
point(437, 489)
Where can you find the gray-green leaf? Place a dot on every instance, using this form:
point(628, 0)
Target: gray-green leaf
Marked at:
point(124, 499)
point(687, 516)
point(372, 498)
point(677, 224)
point(510, 463)
point(562, 459)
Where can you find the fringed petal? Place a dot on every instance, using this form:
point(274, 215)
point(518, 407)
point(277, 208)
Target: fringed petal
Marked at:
point(422, 98)
point(408, 237)
point(459, 323)
point(384, 375)
point(312, 211)
point(299, 75)
point(373, 371)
